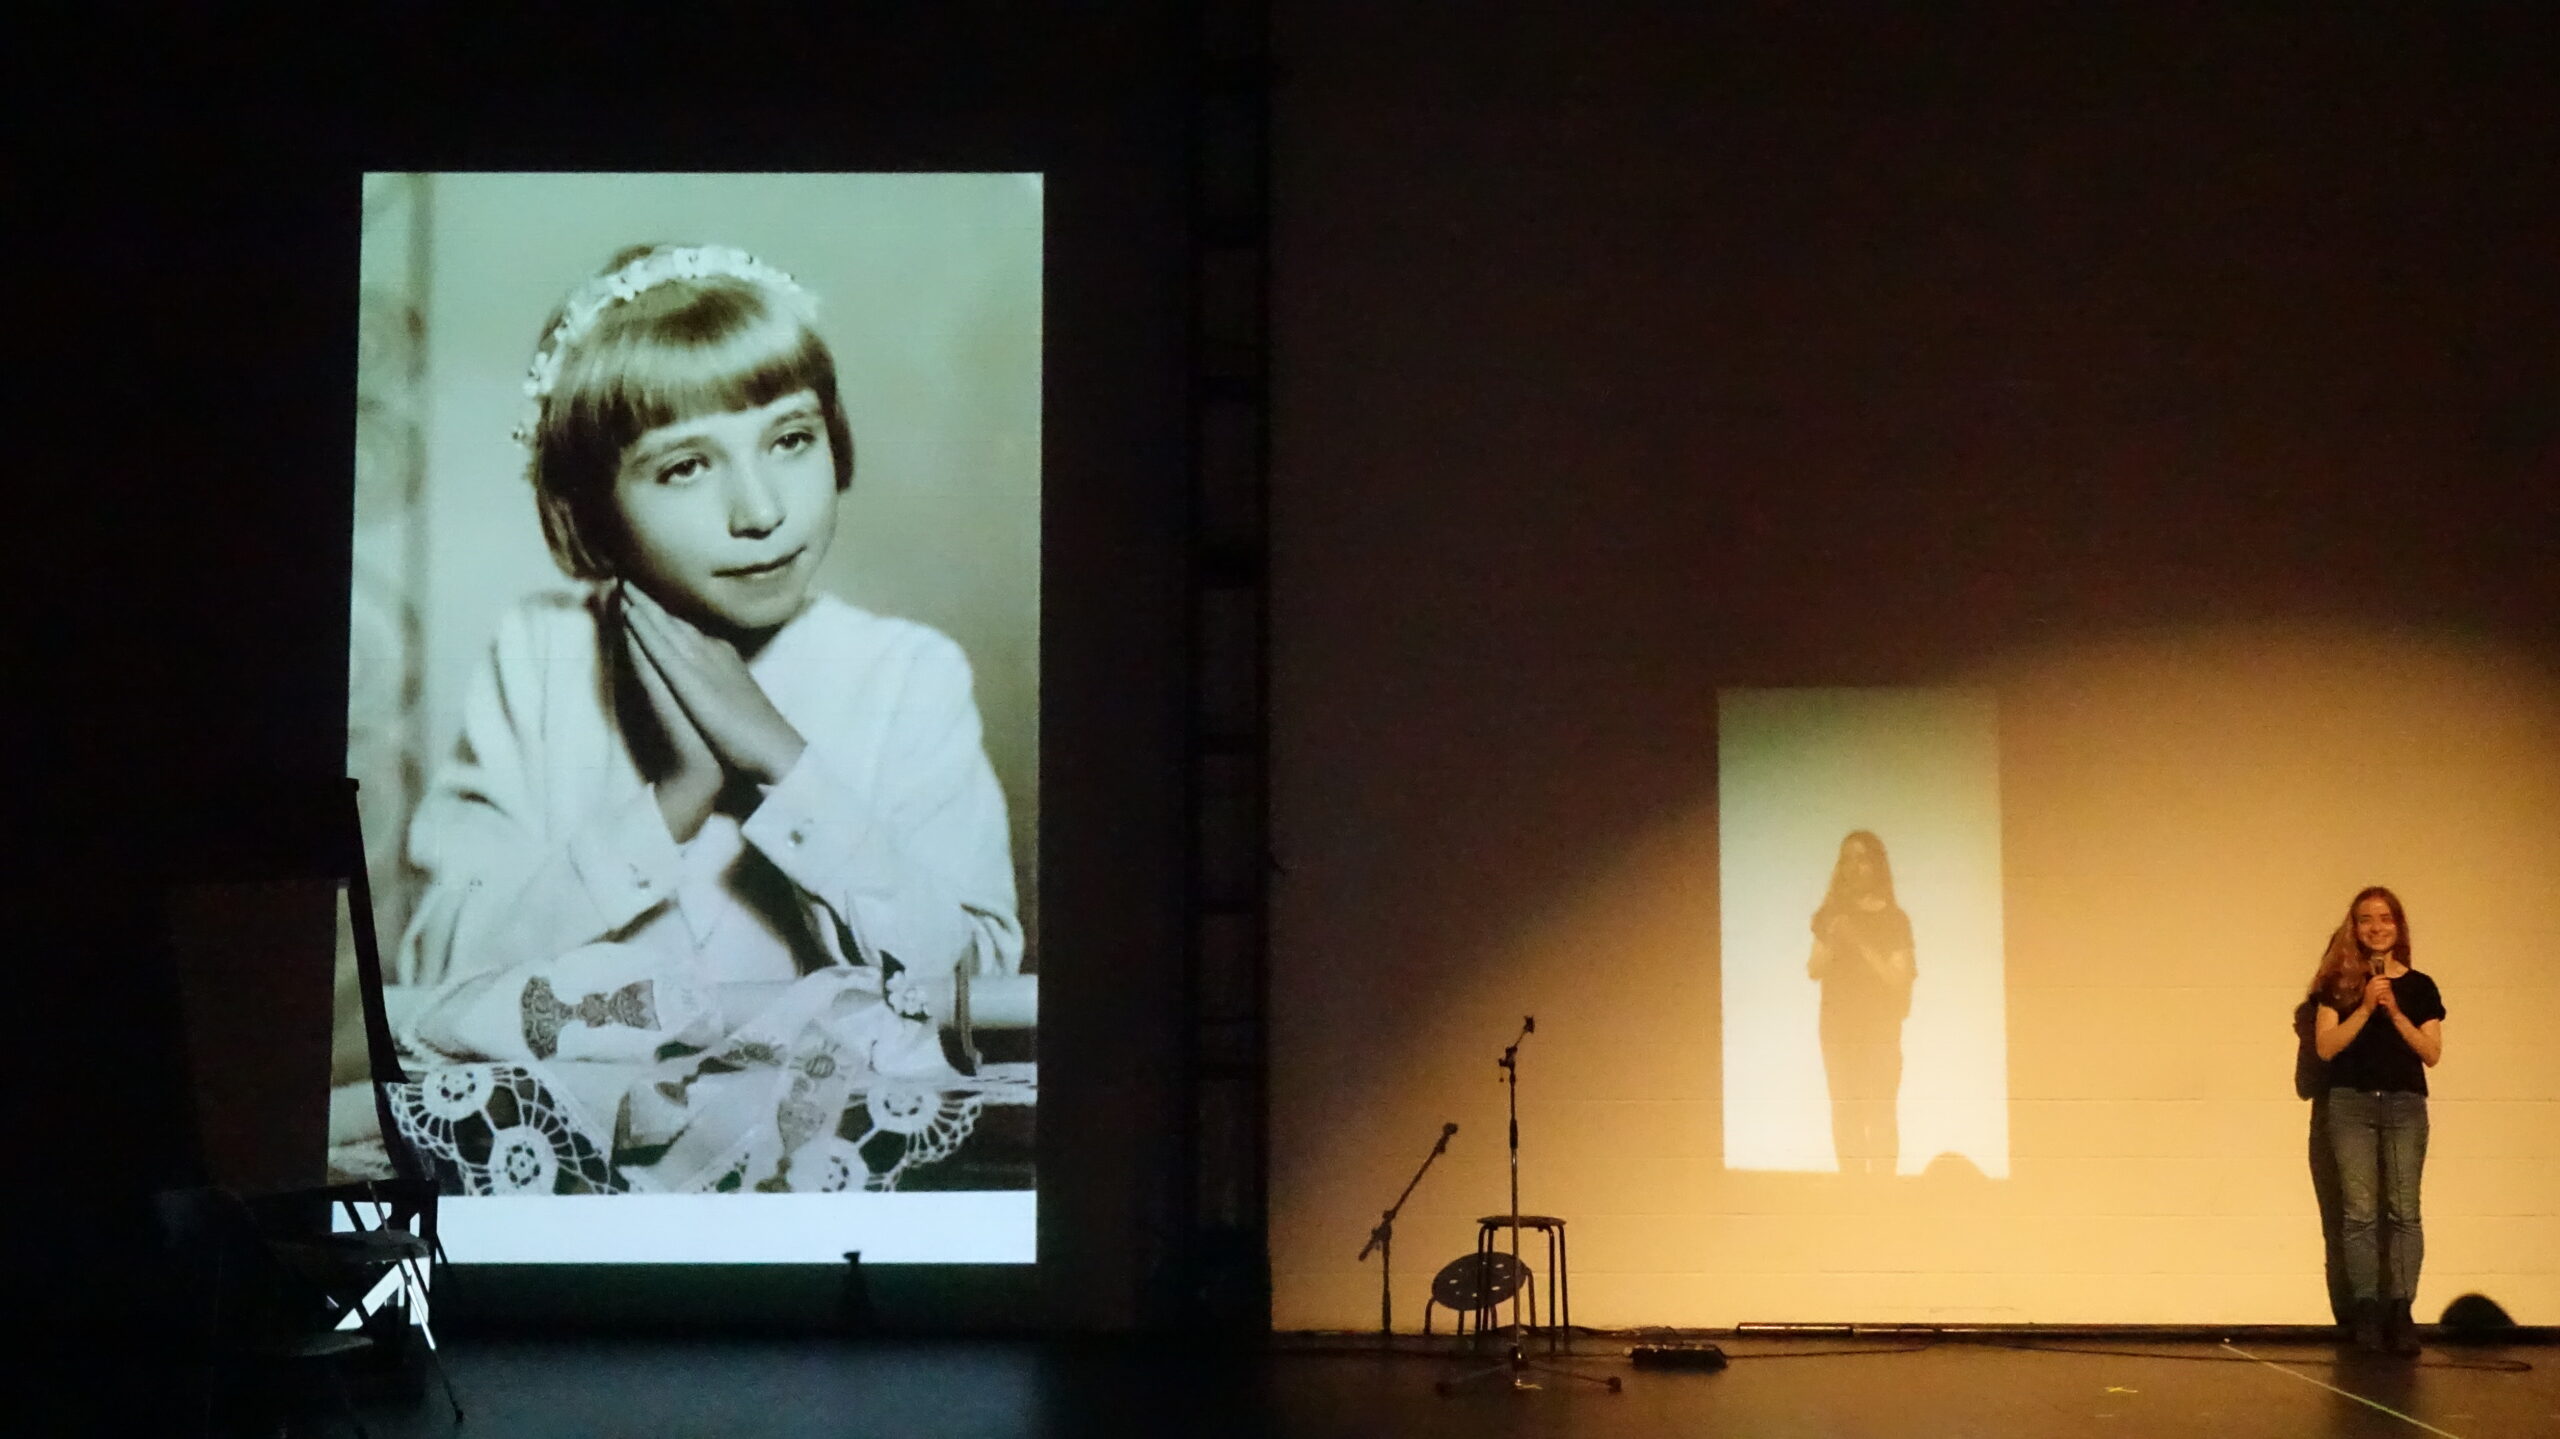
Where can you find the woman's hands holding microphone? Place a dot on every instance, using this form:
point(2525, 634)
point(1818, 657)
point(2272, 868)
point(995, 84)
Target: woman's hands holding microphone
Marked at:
point(2377, 995)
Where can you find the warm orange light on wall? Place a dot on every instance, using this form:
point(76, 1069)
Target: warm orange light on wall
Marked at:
point(2183, 817)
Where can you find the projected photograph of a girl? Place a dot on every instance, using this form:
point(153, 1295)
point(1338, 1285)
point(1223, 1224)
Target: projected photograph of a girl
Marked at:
point(1862, 958)
point(701, 886)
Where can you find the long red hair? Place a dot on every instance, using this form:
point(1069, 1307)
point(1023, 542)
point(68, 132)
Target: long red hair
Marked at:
point(1843, 891)
point(2344, 966)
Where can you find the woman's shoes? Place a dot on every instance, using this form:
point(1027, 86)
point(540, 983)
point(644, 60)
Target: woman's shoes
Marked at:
point(2400, 1331)
point(2378, 1326)
point(2364, 1326)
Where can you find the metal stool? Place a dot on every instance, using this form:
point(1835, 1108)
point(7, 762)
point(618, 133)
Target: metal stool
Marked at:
point(1559, 1271)
point(1475, 1284)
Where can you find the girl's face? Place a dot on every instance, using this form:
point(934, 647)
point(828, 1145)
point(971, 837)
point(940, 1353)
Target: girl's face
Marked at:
point(1858, 865)
point(2376, 930)
point(728, 515)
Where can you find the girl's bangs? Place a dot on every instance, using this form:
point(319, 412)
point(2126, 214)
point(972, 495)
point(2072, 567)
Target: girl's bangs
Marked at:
point(722, 350)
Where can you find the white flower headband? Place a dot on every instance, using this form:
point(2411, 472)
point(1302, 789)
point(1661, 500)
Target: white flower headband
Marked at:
point(589, 301)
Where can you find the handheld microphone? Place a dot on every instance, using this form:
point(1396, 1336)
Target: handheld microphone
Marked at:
point(1448, 1130)
point(1529, 1024)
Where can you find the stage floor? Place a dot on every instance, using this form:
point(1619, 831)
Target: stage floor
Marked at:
point(635, 1388)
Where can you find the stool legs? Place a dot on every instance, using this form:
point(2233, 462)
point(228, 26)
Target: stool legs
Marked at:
point(1561, 1266)
point(1555, 1283)
point(1559, 1282)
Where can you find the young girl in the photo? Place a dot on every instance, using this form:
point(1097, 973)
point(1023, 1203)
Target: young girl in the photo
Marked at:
point(696, 805)
point(2379, 1024)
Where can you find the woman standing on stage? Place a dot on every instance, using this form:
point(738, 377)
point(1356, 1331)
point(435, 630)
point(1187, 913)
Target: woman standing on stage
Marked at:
point(2380, 1026)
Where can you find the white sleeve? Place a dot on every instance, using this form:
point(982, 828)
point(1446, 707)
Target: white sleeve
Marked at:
point(921, 866)
point(507, 882)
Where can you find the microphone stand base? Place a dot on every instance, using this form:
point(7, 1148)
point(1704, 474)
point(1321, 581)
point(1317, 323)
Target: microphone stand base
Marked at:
point(1517, 1367)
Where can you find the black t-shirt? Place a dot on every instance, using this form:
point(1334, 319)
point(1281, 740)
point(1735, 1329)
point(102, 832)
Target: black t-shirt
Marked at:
point(2379, 1058)
point(1852, 982)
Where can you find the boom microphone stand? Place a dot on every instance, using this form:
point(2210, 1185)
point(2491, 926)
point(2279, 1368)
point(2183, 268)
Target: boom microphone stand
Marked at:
point(1516, 1364)
point(1382, 1238)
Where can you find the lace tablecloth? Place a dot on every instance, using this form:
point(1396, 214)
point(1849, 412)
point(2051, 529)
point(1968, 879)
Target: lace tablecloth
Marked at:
point(828, 1085)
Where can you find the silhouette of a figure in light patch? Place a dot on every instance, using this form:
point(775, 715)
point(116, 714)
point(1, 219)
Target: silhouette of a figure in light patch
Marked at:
point(1862, 959)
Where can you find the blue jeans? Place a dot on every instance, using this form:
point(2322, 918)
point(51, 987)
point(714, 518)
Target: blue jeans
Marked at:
point(2380, 1140)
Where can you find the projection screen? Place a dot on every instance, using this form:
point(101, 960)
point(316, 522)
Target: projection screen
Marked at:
point(1864, 1017)
point(694, 698)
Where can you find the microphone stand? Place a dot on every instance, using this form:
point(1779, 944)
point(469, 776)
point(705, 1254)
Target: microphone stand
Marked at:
point(1516, 1364)
point(1382, 1238)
